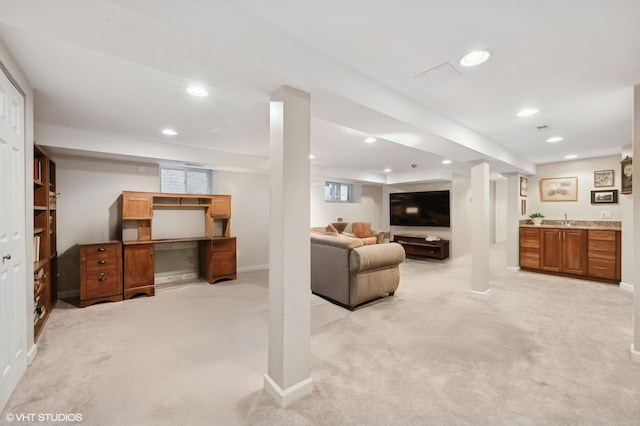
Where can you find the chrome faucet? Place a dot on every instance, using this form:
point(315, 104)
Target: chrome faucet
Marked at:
point(566, 222)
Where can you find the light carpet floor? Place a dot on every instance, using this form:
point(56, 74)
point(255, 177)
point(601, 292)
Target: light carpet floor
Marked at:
point(542, 350)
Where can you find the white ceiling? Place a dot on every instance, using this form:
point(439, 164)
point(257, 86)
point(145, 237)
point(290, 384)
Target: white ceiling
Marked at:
point(120, 68)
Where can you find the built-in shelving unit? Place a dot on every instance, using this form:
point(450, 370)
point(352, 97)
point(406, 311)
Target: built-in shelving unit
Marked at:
point(45, 265)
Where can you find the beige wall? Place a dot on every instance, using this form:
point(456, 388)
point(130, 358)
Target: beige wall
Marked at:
point(368, 209)
point(581, 209)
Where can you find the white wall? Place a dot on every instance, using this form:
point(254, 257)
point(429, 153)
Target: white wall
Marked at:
point(88, 209)
point(249, 216)
point(581, 209)
point(460, 215)
point(500, 232)
point(369, 209)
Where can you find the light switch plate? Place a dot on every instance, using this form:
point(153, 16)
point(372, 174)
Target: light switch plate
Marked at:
point(605, 214)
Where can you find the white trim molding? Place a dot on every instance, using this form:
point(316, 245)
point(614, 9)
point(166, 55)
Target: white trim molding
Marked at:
point(31, 355)
point(285, 398)
point(635, 355)
point(253, 268)
point(512, 268)
point(626, 286)
point(480, 295)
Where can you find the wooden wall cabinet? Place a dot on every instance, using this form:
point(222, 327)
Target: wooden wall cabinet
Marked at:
point(100, 272)
point(579, 253)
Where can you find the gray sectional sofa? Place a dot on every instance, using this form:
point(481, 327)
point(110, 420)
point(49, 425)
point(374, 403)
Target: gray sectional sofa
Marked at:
point(350, 273)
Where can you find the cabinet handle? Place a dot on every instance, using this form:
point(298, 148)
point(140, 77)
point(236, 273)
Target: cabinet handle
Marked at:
point(101, 262)
point(600, 267)
point(102, 277)
point(101, 249)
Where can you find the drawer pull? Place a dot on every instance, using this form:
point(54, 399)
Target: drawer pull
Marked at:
point(600, 267)
point(101, 249)
point(101, 262)
point(102, 277)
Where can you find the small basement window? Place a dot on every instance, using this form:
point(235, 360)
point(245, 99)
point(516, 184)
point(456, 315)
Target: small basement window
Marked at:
point(337, 192)
point(185, 180)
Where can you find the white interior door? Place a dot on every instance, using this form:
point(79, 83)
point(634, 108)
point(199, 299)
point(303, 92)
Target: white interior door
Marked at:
point(13, 283)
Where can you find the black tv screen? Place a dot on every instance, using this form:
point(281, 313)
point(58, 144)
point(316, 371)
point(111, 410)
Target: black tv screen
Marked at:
point(428, 208)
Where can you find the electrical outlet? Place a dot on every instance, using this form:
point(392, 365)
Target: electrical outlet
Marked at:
point(605, 214)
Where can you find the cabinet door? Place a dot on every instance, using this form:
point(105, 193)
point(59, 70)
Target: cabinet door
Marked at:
point(138, 266)
point(574, 251)
point(137, 206)
point(551, 250)
point(221, 206)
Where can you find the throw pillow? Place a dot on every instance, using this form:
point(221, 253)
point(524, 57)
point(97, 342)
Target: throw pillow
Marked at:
point(330, 229)
point(361, 229)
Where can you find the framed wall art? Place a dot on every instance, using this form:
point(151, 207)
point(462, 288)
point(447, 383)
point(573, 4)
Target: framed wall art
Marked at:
point(559, 189)
point(607, 196)
point(523, 186)
point(523, 207)
point(602, 178)
point(626, 186)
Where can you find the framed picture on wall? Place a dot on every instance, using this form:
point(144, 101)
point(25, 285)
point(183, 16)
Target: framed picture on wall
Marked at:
point(627, 175)
point(609, 196)
point(523, 207)
point(603, 178)
point(523, 186)
point(559, 189)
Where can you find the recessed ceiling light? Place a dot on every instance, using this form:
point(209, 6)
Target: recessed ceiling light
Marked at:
point(570, 157)
point(387, 170)
point(198, 91)
point(169, 132)
point(311, 156)
point(554, 139)
point(527, 112)
point(474, 58)
point(446, 161)
point(370, 139)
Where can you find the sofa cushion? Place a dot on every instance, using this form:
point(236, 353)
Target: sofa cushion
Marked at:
point(369, 240)
point(376, 256)
point(339, 240)
point(361, 229)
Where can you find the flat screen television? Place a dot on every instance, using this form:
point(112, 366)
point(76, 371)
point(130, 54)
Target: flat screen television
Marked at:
point(427, 208)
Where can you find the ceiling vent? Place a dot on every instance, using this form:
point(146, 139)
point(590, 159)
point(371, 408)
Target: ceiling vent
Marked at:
point(438, 75)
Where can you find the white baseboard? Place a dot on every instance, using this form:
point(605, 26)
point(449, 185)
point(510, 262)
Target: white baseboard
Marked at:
point(31, 355)
point(635, 355)
point(68, 294)
point(172, 277)
point(626, 287)
point(480, 295)
point(512, 268)
point(253, 268)
point(285, 398)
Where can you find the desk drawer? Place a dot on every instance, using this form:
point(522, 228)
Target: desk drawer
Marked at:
point(98, 252)
point(101, 284)
point(602, 235)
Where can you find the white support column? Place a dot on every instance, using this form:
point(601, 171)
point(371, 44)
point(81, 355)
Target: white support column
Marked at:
point(635, 345)
point(480, 232)
point(513, 221)
point(288, 377)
